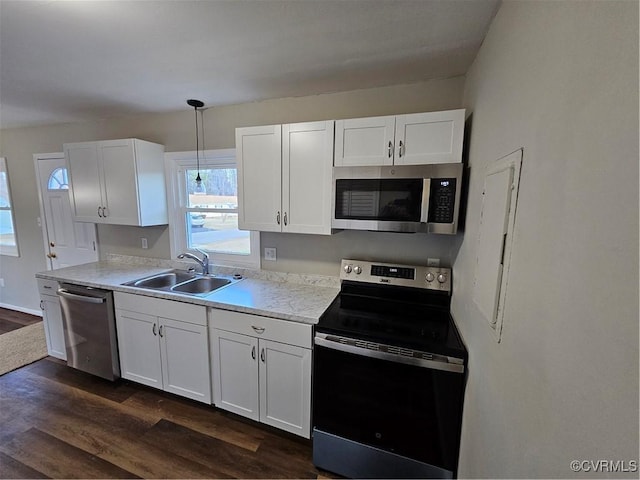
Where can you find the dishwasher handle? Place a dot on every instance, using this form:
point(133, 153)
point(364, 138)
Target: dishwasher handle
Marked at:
point(81, 298)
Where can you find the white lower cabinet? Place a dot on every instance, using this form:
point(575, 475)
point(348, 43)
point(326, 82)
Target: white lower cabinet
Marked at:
point(262, 369)
point(52, 318)
point(164, 344)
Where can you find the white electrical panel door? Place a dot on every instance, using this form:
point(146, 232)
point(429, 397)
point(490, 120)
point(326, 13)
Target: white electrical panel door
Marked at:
point(495, 237)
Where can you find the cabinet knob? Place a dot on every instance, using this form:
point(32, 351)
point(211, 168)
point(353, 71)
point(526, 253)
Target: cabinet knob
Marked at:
point(285, 218)
point(52, 244)
point(263, 356)
point(52, 255)
point(390, 148)
point(253, 352)
point(154, 329)
point(100, 212)
point(160, 330)
point(400, 149)
point(278, 217)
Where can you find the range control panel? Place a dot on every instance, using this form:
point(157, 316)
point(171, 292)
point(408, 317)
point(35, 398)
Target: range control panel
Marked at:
point(432, 278)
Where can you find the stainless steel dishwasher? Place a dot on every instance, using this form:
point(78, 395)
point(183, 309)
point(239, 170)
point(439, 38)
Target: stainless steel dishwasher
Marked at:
point(90, 330)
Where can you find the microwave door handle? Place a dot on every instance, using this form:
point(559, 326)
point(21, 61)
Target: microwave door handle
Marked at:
point(424, 210)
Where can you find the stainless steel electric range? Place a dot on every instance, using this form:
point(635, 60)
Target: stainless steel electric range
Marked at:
point(389, 375)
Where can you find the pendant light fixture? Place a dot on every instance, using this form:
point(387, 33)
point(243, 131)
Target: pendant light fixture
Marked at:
point(196, 104)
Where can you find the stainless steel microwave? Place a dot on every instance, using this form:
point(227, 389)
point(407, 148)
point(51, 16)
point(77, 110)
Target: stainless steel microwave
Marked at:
point(403, 198)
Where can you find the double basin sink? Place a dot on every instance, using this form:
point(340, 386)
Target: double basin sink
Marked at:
point(179, 281)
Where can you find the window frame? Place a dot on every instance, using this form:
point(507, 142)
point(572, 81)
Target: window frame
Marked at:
point(175, 165)
point(10, 251)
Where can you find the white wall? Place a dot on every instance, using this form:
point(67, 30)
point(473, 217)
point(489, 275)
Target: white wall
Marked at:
point(296, 253)
point(561, 80)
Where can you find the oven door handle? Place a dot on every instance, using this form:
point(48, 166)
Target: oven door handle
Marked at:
point(440, 363)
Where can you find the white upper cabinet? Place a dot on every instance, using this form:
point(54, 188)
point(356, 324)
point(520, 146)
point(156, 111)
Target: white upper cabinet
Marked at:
point(412, 139)
point(284, 177)
point(259, 158)
point(118, 182)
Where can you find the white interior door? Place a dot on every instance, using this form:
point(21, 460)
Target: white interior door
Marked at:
point(66, 242)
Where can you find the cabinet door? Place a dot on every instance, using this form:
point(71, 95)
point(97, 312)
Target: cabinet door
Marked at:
point(285, 387)
point(235, 373)
point(53, 327)
point(84, 180)
point(120, 189)
point(364, 141)
point(307, 161)
point(185, 359)
point(434, 137)
point(259, 153)
point(139, 347)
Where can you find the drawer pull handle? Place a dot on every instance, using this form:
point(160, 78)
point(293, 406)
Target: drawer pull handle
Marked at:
point(154, 329)
point(262, 356)
point(253, 352)
point(160, 330)
point(258, 330)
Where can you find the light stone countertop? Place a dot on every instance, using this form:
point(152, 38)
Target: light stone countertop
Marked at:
point(299, 298)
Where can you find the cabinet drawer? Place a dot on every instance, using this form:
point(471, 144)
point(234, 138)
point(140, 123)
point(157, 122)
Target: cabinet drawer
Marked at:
point(47, 287)
point(159, 307)
point(283, 331)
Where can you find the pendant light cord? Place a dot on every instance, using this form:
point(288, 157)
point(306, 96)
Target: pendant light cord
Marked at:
point(198, 179)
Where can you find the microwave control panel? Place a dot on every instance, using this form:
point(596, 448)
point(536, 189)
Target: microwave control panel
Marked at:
point(442, 198)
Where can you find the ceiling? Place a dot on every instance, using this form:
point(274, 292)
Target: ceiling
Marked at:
point(69, 61)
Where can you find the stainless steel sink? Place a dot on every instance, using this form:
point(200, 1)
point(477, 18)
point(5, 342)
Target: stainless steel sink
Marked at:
point(179, 281)
point(201, 285)
point(162, 280)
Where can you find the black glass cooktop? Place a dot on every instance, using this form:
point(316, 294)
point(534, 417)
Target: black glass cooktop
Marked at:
point(398, 316)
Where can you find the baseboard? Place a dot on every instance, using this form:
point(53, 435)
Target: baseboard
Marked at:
point(37, 313)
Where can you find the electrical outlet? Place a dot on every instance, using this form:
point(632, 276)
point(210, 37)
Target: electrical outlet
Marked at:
point(144, 242)
point(433, 262)
point(270, 253)
point(1, 282)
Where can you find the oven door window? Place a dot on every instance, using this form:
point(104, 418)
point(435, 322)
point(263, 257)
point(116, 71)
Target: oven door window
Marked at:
point(408, 410)
point(395, 199)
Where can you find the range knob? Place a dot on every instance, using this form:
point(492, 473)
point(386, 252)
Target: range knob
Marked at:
point(357, 269)
point(347, 269)
point(442, 278)
point(430, 277)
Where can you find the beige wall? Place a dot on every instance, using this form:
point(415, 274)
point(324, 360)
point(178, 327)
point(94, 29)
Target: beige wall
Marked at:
point(296, 253)
point(561, 80)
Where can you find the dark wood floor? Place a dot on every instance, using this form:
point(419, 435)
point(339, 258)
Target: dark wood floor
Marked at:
point(58, 422)
point(12, 320)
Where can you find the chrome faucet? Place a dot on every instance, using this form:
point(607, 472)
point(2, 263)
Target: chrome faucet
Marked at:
point(204, 263)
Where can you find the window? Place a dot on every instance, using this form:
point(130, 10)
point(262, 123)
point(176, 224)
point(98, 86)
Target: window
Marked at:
point(58, 180)
point(208, 220)
point(8, 242)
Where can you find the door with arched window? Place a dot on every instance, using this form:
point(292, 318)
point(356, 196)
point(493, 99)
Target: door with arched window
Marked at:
point(67, 242)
